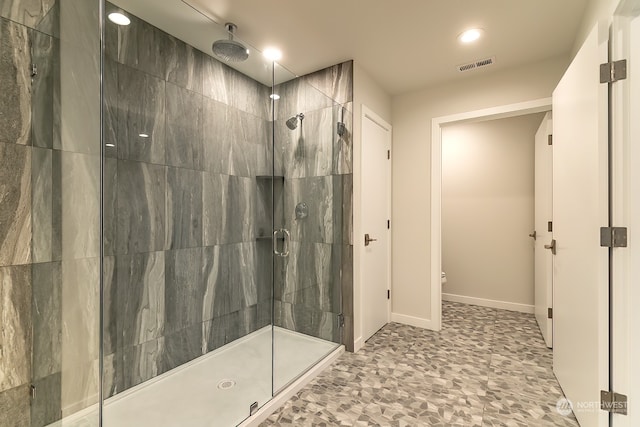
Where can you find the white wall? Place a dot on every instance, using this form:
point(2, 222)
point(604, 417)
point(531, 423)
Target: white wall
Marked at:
point(369, 93)
point(488, 209)
point(411, 117)
point(595, 11)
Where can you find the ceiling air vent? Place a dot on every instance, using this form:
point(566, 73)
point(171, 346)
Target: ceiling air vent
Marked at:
point(476, 64)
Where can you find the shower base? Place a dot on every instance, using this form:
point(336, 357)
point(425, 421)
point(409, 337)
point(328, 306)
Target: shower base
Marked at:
point(218, 388)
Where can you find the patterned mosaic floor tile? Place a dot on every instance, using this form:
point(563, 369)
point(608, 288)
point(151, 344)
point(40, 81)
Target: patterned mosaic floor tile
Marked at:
point(486, 367)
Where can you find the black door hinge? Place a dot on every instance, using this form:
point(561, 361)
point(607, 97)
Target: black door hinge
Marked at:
point(388, 294)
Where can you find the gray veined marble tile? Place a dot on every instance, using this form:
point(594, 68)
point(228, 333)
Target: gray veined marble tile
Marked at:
point(50, 23)
point(45, 55)
point(313, 276)
point(46, 409)
point(143, 47)
point(217, 82)
point(182, 347)
point(110, 205)
point(345, 216)
point(80, 389)
point(80, 204)
point(228, 328)
point(230, 279)
point(335, 81)
point(26, 12)
point(46, 209)
point(292, 99)
point(15, 407)
point(141, 111)
point(184, 288)
point(141, 207)
point(15, 326)
point(184, 216)
point(110, 307)
point(317, 195)
point(185, 66)
point(343, 144)
point(47, 319)
point(232, 140)
point(141, 298)
point(310, 148)
point(110, 107)
point(15, 82)
point(228, 209)
point(79, 91)
point(111, 384)
point(80, 312)
point(184, 128)
point(15, 209)
point(141, 363)
point(228, 86)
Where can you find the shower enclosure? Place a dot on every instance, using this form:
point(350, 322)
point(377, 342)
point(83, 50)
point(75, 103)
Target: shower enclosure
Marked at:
point(173, 250)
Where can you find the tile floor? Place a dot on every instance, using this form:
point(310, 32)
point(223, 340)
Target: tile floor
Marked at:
point(486, 367)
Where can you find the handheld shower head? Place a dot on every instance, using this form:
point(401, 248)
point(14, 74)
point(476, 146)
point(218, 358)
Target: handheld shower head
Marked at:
point(292, 123)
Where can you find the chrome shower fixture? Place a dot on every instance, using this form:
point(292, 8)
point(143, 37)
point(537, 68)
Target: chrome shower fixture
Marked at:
point(230, 50)
point(292, 123)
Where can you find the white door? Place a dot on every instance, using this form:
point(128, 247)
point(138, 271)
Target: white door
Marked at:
point(580, 208)
point(626, 212)
point(376, 208)
point(543, 214)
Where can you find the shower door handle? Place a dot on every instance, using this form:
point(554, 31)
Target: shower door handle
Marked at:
point(285, 246)
point(287, 241)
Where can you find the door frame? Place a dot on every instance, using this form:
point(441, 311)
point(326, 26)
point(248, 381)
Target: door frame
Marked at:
point(625, 205)
point(369, 114)
point(437, 123)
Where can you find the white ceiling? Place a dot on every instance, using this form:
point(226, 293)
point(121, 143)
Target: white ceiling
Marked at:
point(403, 44)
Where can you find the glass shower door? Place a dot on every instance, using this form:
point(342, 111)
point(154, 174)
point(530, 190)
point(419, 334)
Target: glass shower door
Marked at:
point(308, 275)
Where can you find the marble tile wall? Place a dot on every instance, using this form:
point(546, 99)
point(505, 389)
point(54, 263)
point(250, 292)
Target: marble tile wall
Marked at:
point(316, 283)
point(184, 207)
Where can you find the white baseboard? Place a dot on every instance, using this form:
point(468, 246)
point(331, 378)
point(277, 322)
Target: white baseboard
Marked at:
point(504, 305)
point(279, 399)
point(358, 344)
point(412, 321)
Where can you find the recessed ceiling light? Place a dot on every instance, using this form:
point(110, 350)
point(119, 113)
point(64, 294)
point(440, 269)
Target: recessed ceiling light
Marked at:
point(272, 54)
point(119, 18)
point(470, 35)
point(144, 135)
point(274, 96)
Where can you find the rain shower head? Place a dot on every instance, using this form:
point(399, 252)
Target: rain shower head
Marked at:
point(292, 123)
point(230, 50)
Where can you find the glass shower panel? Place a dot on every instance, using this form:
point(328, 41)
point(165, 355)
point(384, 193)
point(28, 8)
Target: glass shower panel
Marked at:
point(188, 271)
point(308, 280)
point(50, 209)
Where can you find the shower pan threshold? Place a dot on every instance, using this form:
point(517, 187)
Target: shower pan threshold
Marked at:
point(196, 394)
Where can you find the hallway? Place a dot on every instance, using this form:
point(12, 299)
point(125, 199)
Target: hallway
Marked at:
point(487, 367)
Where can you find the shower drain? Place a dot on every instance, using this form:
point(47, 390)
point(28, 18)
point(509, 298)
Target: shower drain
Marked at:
point(226, 384)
